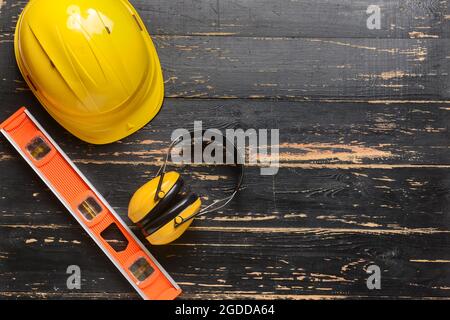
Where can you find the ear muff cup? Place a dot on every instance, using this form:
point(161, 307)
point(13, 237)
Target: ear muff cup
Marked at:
point(170, 232)
point(181, 203)
point(162, 205)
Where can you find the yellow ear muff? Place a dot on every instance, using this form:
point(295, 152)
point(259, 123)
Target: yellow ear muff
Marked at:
point(171, 231)
point(143, 201)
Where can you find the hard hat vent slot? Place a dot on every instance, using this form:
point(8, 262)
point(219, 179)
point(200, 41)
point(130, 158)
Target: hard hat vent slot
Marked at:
point(108, 30)
point(138, 23)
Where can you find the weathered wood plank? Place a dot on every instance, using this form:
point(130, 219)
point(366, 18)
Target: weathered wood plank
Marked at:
point(399, 200)
point(283, 18)
point(311, 134)
point(26, 295)
point(258, 262)
point(286, 68)
point(309, 69)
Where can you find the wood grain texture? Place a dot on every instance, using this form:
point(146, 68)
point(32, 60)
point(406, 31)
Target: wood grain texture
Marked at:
point(312, 134)
point(364, 155)
point(242, 261)
point(293, 69)
point(305, 19)
point(283, 18)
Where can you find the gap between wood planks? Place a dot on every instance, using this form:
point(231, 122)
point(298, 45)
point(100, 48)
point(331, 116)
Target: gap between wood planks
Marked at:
point(228, 295)
point(259, 230)
point(311, 166)
point(308, 99)
point(283, 165)
point(296, 99)
point(313, 39)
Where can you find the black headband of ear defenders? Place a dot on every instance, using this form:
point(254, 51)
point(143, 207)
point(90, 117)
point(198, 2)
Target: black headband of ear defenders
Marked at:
point(239, 160)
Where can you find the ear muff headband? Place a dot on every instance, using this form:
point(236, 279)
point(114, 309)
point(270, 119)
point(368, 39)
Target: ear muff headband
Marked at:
point(162, 205)
point(218, 204)
point(181, 205)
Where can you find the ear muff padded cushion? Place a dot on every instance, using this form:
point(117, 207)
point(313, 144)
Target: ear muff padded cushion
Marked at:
point(162, 205)
point(175, 210)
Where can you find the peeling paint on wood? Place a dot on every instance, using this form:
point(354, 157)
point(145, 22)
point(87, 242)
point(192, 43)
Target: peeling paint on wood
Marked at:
point(318, 151)
point(421, 35)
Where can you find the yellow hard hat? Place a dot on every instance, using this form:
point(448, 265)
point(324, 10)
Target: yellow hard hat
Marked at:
point(91, 64)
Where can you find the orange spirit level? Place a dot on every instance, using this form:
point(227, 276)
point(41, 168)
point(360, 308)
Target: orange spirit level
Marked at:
point(87, 206)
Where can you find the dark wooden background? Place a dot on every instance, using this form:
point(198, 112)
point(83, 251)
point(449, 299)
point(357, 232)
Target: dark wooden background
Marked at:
point(364, 178)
